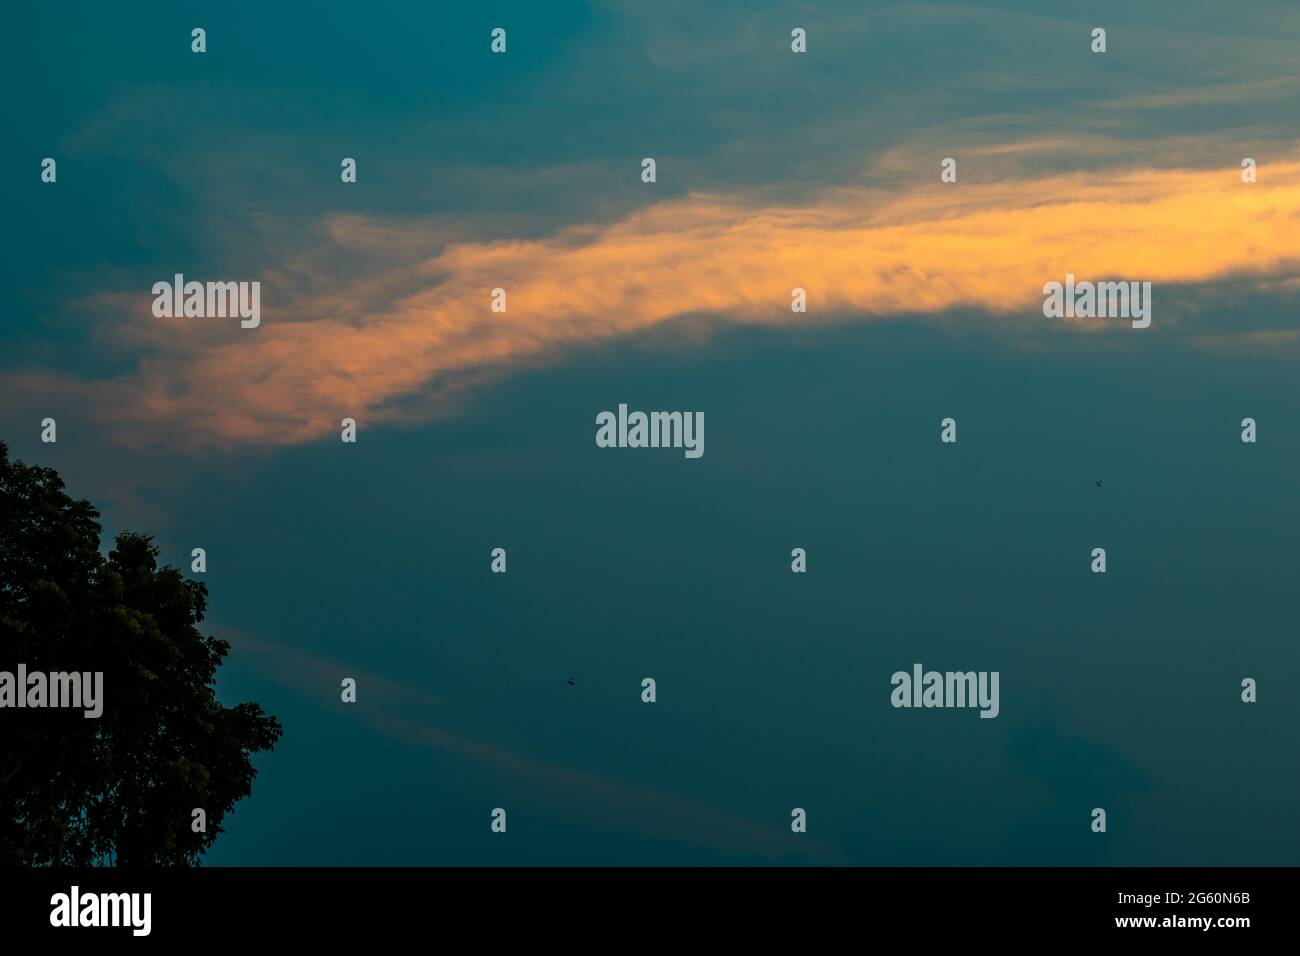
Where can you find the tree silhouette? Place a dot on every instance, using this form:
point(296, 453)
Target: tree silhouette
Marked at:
point(122, 787)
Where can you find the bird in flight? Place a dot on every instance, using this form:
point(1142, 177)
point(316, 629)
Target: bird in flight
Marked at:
point(571, 682)
point(1098, 482)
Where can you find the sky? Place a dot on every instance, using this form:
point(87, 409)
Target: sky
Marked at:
point(475, 429)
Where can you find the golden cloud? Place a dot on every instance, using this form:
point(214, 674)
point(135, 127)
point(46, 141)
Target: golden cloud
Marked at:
point(363, 345)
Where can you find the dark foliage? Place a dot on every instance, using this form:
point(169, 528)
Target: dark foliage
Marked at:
point(122, 787)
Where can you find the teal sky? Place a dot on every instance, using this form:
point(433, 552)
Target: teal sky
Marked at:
point(476, 431)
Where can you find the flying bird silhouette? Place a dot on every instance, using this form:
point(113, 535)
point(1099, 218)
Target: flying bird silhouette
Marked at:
point(1098, 483)
point(571, 682)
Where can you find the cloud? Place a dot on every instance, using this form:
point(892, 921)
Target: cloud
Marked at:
point(361, 326)
point(589, 798)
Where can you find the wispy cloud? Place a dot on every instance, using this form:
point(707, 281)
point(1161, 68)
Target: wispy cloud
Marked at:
point(394, 710)
point(361, 326)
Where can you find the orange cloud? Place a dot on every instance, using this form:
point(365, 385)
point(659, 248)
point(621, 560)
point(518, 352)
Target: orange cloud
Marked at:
point(364, 346)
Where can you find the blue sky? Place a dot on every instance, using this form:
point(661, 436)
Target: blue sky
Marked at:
point(476, 431)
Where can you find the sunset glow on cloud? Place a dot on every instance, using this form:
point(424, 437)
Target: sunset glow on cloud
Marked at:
point(859, 254)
